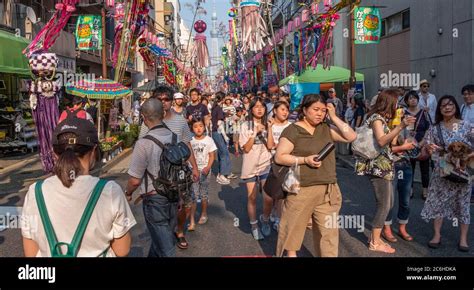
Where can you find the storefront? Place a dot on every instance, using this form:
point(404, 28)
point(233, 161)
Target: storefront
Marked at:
point(17, 129)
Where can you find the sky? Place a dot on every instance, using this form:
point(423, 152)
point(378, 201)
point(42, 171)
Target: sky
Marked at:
point(222, 6)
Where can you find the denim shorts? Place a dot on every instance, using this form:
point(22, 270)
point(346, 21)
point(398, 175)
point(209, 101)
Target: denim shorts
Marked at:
point(254, 179)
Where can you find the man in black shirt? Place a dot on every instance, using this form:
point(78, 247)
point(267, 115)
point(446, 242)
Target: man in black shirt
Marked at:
point(196, 110)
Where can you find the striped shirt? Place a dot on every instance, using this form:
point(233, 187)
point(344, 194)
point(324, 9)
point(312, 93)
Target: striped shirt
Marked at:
point(177, 124)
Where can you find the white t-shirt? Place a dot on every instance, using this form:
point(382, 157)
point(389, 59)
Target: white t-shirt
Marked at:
point(201, 149)
point(276, 131)
point(111, 219)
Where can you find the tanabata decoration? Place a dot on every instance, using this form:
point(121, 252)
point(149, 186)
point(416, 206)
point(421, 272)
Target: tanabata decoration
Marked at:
point(145, 52)
point(254, 29)
point(201, 52)
point(325, 23)
point(158, 51)
point(44, 91)
point(50, 32)
point(119, 16)
point(168, 71)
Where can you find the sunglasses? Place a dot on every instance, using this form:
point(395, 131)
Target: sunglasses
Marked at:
point(425, 86)
point(165, 99)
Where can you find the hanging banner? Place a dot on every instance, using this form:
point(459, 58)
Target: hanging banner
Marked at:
point(89, 32)
point(367, 25)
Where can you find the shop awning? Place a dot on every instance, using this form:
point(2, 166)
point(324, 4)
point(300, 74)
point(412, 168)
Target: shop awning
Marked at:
point(333, 74)
point(12, 59)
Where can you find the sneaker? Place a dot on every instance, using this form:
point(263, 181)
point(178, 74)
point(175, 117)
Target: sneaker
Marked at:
point(266, 230)
point(257, 234)
point(221, 179)
point(232, 176)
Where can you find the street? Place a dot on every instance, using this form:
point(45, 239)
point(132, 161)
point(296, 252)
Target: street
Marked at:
point(227, 233)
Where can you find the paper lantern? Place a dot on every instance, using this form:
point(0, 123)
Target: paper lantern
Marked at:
point(305, 15)
point(314, 8)
point(290, 26)
point(110, 3)
point(297, 22)
point(200, 26)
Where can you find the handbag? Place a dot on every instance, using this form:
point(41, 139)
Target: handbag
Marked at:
point(365, 145)
point(448, 170)
point(275, 179)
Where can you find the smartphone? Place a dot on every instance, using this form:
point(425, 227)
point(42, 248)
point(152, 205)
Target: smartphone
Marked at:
point(325, 152)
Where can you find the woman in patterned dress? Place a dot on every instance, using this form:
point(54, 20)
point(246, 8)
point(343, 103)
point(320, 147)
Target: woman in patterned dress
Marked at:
point(447, 199)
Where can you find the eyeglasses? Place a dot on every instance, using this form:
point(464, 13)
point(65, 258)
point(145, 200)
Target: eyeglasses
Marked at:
point(165, 99)
point(446, 105)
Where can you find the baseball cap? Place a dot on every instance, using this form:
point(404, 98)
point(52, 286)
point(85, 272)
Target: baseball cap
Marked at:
point(178, 96)
point(86, 133)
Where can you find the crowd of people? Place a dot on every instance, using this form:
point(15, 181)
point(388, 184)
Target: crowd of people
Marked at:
point(201, 130)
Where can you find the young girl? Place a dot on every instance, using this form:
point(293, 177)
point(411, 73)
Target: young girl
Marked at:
point(281, 111)
point(256, 165)
point(204, 150)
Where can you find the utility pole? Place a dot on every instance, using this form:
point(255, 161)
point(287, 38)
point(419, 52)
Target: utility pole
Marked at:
point(352, 80)
point(104, 46)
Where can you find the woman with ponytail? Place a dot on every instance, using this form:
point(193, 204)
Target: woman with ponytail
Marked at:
point(64, 197)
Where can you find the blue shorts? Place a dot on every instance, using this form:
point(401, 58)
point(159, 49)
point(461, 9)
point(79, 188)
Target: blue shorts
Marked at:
point(254, 179)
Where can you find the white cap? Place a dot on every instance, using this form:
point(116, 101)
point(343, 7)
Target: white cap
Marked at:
point(178, 96)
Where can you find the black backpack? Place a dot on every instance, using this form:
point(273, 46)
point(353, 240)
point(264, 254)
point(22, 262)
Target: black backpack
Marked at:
point(174, 177)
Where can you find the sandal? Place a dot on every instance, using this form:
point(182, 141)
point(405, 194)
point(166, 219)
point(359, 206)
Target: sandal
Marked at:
point(381, 247)
point(191, 227)
point(406, 237)
point(391, 239)
point(182, 243)
point(203, 220)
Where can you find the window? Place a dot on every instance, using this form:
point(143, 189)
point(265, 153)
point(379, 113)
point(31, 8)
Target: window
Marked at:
point(406, 19)
point(396, 23)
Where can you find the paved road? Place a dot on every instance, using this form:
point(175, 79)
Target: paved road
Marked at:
point(227, 232)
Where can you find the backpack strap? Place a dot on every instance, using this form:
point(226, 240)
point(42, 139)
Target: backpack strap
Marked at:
point(174, 139)
point(48, 228)
point(156, 141)
point(79, 234)
point(86, 216)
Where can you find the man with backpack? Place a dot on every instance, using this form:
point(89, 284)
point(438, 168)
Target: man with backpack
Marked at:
point(178, 125)
point(159, 168)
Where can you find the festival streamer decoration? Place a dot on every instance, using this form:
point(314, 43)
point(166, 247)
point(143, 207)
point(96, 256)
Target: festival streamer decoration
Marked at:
point(44, 91)
point(232, 13)
point(201, 52)
point(50, 32)
point(145, 52)
point(254, 29)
